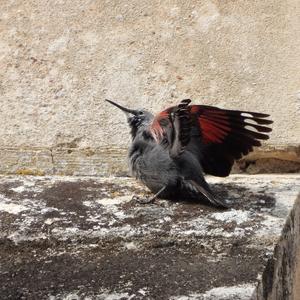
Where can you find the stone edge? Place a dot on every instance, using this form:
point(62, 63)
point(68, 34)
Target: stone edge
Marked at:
point(112, 160)
point(279, 277)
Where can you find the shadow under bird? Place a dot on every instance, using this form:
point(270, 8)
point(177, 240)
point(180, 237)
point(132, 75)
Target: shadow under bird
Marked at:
point(171, 152)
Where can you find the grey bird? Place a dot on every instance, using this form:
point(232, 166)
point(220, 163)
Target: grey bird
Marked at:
point(171, 152)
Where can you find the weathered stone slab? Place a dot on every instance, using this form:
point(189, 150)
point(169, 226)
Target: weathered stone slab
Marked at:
point(104, 161)
point(64, 161)
point(27, 161)
point(92, 162)
point(84, 238)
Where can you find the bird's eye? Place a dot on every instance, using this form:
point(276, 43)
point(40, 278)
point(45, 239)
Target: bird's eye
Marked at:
point(140, 113)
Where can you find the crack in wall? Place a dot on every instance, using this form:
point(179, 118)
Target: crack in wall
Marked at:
point(52, 161)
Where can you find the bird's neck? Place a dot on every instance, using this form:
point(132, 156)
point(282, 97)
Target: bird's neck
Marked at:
point(142, 130)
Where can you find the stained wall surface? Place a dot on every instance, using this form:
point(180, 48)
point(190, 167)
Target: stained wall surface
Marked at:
point(59, 60)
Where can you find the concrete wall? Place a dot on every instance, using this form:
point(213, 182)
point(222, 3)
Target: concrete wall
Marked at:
point(60, 59)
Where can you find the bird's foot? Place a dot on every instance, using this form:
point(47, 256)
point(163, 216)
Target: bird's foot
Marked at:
point(143, 200)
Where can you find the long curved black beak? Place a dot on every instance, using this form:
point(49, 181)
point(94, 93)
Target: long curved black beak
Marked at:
point(124, 109)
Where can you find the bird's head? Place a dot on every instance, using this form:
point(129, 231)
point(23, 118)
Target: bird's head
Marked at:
point(135, 118)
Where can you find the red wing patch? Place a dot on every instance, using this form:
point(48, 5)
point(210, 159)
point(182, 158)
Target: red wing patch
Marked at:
point(195, 109)
point(212, 131)
point(214, 124)
point(158, 124)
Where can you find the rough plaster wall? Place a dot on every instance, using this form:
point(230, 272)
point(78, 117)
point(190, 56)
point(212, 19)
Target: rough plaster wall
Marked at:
point(60, 59)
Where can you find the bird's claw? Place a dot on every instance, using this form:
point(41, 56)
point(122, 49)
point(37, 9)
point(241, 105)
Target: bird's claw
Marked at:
point(143, 200)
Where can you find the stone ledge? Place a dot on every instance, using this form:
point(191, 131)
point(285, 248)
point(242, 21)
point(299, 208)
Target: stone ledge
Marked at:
point(63, 161)
point(83, 238)
point(112, 160)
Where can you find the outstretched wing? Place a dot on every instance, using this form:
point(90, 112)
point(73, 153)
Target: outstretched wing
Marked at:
point(217, 136)
point(172, 127)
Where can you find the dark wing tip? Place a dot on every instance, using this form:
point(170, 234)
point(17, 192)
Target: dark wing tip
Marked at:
point(185, 102)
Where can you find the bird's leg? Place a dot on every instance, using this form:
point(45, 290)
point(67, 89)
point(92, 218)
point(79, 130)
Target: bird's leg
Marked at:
point(147, 200)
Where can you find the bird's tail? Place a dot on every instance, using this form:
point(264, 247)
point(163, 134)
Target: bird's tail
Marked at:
point(206, 192)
